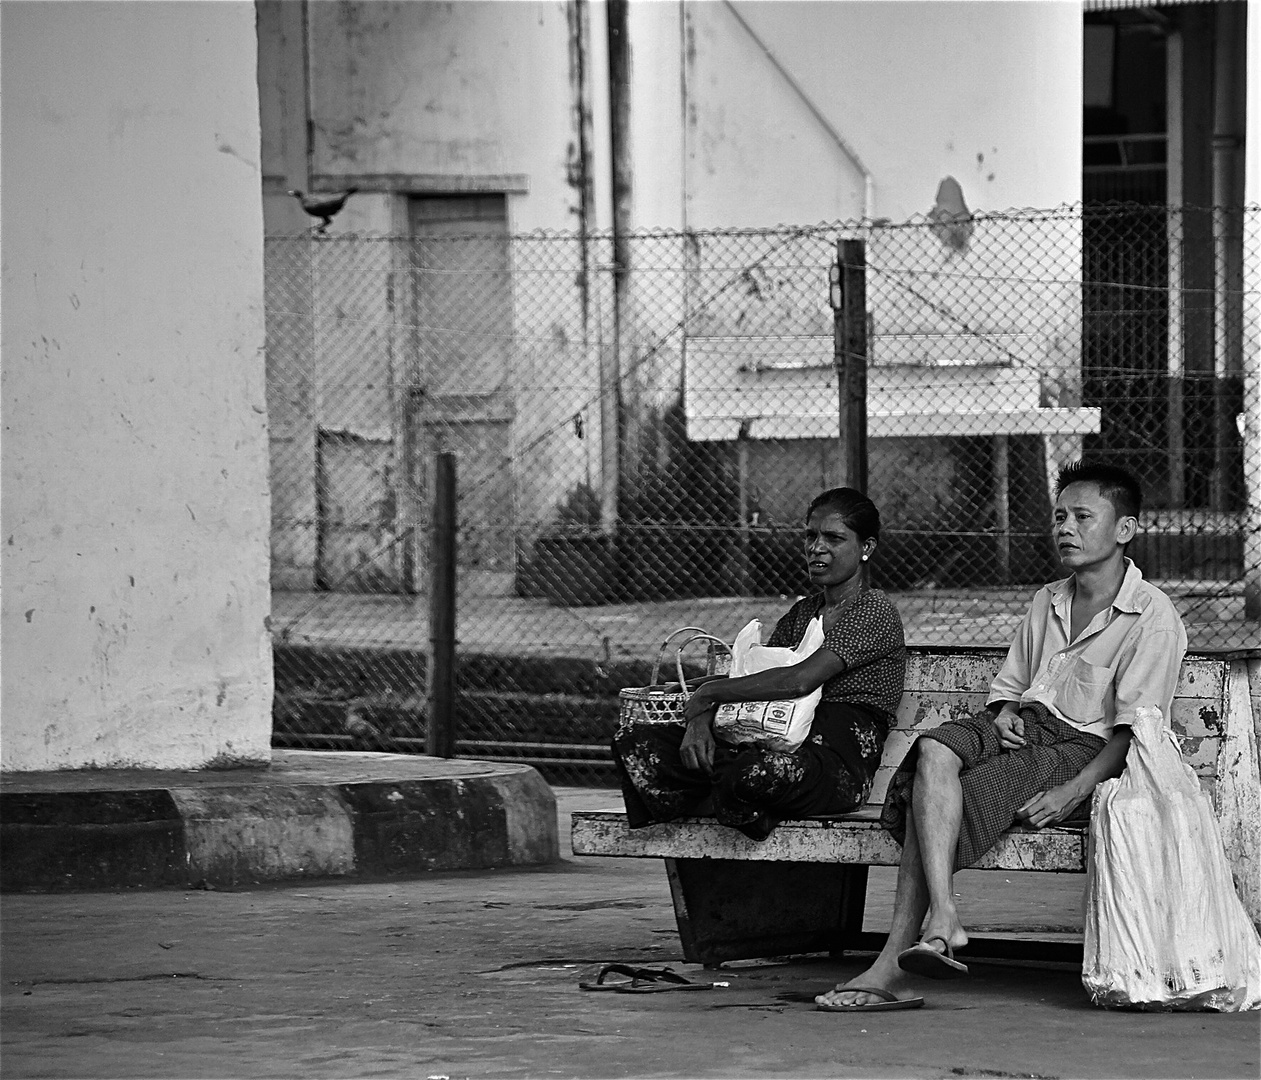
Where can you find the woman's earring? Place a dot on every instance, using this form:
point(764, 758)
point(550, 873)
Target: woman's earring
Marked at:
point(864, 558)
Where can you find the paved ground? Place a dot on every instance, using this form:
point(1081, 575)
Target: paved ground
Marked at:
point(475, 974)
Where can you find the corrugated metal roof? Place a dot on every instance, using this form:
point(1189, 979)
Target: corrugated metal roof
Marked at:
point(1117, 5)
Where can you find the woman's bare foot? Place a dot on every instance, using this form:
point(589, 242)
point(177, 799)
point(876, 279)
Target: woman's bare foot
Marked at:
point(880, 976)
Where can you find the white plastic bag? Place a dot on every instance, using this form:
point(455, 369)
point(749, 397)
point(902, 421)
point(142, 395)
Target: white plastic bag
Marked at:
point(1164, 926)
point(780, 725)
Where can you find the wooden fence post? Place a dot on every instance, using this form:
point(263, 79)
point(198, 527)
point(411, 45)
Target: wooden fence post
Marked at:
point(849, 344)
point(440, 726)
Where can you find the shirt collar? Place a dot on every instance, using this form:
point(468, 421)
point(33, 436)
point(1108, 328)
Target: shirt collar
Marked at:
point(1130, 597)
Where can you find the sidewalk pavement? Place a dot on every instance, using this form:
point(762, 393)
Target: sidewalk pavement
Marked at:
point(475, 973)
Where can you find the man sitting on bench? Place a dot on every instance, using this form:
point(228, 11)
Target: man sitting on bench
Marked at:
point(1091, 650)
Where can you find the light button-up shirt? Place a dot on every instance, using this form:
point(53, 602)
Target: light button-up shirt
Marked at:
point(1128, 656)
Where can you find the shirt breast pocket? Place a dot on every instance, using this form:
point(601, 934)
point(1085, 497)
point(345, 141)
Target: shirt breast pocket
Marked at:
point(1083, 692)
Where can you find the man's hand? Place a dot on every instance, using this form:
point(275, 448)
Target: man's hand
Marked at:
point(697, 749)
point(1049, 808)
point(1010, 728)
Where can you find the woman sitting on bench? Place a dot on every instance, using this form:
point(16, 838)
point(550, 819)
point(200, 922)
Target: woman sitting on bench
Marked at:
point(669, 771)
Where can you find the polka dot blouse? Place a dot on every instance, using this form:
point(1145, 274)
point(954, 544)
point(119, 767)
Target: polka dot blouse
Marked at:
point(868, 637)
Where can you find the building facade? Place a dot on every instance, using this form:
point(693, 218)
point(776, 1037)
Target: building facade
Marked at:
point(587, 155)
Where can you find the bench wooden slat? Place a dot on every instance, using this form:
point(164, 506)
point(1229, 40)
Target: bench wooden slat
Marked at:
point(1192, 717)
point(938, 671)
point(856, 838)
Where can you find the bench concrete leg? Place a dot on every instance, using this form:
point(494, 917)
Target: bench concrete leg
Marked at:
point(729, 909)
point(853, 907)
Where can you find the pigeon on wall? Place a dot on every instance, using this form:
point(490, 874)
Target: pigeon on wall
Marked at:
point(323, 204)
point(950, 217)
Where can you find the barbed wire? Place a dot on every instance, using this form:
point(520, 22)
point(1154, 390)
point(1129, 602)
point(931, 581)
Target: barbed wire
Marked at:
point(1063, 212)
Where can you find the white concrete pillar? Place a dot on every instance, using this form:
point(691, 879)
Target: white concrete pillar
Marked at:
point(136, 507)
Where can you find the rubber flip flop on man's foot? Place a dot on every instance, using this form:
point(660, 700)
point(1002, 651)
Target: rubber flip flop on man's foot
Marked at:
point(923, 959)
point(629, 975)
point(888, 1001)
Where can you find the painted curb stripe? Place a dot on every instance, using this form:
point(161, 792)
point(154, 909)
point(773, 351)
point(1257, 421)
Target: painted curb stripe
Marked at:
point(235, 835)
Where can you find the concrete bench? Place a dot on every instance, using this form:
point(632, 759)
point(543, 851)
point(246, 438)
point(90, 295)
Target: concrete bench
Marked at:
point(804, 888)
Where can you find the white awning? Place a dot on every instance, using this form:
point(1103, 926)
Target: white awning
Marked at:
point(1117, 5)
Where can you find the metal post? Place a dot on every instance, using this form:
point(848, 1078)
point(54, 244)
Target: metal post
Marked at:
point(1252, 421)
point(620, 412)
point(1252, 355)
point(1252, 474)
point(1229, 95)
point(608, 374)
point(744, 576)
point(1191, 57)
point(1002, 506)
point(849, 345)
point(440, 730)
point(1175, 456)
point(403, 421)
point(407, 488)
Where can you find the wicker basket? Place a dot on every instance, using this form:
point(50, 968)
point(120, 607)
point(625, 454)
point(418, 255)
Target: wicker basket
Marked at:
point(655, 704)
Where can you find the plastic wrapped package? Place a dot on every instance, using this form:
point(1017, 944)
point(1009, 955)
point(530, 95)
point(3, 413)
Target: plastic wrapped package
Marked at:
point(1164, 928)
point(782, 725)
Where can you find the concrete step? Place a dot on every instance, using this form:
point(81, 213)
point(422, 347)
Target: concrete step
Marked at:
point(311, 814)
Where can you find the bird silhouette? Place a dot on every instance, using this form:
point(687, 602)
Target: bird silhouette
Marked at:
point(323, 204)
point(951, 219)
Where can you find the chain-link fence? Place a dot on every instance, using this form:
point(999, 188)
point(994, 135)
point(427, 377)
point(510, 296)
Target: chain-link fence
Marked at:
point(639, 427)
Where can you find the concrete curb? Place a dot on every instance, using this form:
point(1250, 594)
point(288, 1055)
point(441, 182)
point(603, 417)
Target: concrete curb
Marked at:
point(310, 814)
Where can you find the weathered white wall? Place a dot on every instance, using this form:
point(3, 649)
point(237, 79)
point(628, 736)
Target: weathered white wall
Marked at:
point(987, 92)
point(135, 505)
point(479, 88)
point(422, 96)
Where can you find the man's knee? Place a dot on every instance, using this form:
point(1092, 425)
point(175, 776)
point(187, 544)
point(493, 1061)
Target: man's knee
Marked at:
point(937, 759)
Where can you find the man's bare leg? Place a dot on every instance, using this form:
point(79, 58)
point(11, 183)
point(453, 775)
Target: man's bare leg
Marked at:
point(909, 905)
point(925, 876)
point(937, 808)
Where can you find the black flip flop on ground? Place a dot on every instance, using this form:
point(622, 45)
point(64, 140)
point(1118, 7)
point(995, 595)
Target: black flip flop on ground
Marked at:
point(923, 959)
point(629, 975)
point(662, 982)
point(641, 980)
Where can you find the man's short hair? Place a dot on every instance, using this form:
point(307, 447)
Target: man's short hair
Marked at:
point(1115, 484)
